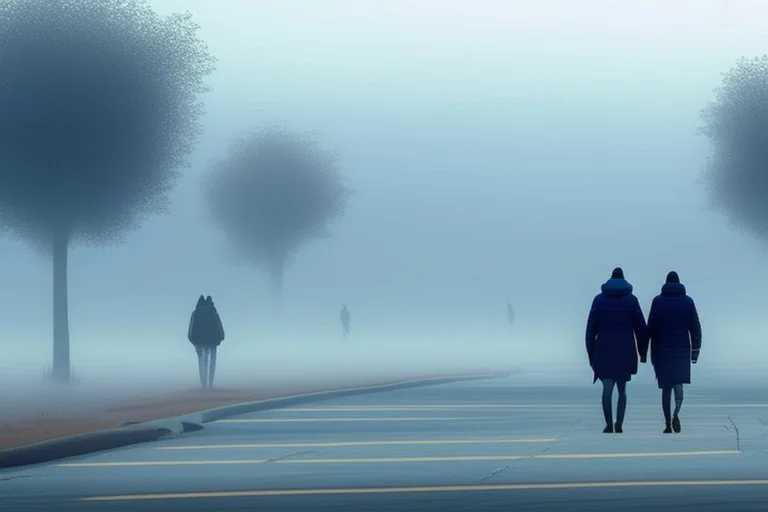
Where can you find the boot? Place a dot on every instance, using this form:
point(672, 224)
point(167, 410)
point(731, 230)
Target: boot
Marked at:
point(676, 427)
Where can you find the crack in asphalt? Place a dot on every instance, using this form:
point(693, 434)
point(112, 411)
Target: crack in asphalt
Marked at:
point(533, 454)
point(738, 434)
point(289, 455)
point(6, 478)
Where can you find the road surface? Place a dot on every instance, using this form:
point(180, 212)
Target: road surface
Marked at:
point(477, 446)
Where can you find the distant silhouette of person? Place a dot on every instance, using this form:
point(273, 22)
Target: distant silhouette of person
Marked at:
point(206, 333)
point(345, 320)
point(615, 328)
point(510, 315)
point(675, 332)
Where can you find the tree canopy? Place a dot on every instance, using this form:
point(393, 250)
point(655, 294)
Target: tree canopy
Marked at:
point(276, 190)
point(98, 111)
point(736, 123)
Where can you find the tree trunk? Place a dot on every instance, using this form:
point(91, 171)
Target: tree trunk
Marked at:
point(276, 272)
point(61, 367)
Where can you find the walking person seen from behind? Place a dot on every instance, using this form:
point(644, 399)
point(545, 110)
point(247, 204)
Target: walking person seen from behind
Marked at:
point(675, 331)
point(206, 334)
point(345, 318)
point(615, 329)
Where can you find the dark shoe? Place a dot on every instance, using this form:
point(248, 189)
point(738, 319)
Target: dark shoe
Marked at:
point(668, 429)
point(676, 424)
point(608, 429)
point(617, 428)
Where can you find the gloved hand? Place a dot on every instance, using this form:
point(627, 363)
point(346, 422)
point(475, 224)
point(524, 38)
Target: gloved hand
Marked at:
point(694, 359)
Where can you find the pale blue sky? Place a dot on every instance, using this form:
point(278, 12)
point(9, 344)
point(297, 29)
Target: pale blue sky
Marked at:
point(501, 151)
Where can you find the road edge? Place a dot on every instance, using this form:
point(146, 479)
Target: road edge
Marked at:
point(81, 444)
point(145, 432)
point(228, 411)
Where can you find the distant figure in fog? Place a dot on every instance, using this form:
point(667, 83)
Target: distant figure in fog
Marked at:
point(615, 329)
point(510, 315)
point(345, 320)
point(206, 333)
point(675, 331)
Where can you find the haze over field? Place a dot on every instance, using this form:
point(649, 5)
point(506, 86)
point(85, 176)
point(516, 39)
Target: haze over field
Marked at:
point(500, 151)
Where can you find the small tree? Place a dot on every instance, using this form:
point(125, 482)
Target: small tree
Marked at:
point(98, 109)
point(276, 191)
point(736, 124)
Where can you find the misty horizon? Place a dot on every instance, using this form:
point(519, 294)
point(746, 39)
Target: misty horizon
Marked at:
point(498, 155)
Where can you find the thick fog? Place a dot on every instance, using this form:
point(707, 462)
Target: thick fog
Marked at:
point(500, 152)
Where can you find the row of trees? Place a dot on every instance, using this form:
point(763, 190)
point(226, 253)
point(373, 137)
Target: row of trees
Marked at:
point(99, 111)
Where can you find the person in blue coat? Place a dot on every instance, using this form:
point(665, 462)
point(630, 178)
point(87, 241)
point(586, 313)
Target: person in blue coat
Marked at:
point(615, 329)
point(675, 340)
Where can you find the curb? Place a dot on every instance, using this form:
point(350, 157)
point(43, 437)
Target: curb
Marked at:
point(80, 444)
point(131, 433)
point(227, 411)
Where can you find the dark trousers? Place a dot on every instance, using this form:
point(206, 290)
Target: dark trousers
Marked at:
point(666, 402)
point(206, 360)
point(621, 406)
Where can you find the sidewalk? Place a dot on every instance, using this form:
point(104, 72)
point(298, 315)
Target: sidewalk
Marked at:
point(80, 412)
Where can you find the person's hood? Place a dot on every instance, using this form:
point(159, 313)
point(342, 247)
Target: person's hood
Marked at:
point(200, 302)
point(672, 289)
point(206, 306)
point(616, 287)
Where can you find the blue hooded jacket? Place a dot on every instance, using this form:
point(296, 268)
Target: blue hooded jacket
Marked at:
point(675, 332)
point(616, 329)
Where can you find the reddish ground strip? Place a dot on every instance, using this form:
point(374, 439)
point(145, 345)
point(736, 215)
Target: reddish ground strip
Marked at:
point(41, 428)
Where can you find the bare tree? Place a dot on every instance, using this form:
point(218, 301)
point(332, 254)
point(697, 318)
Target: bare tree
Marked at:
point(98, 110)
point(275, 191)
point(736, 124)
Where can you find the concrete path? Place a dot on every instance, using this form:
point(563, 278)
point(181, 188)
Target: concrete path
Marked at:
point(483, 445)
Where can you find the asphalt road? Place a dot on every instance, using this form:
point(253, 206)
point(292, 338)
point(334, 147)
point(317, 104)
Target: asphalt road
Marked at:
point(478, 446)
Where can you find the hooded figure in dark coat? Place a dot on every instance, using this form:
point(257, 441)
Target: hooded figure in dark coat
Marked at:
point(205, 333)
point(615, 329)
point(345, 318)
point(675, 331)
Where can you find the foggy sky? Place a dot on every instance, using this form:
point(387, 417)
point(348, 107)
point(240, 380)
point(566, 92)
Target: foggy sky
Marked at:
point(501, 151)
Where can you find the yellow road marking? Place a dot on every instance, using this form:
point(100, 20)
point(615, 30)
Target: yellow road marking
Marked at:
point(333, 420)
point(408, 407)
point(378, 460)
point(488, 407)
point(336, 444)
point(149, 463)
point(424, 489)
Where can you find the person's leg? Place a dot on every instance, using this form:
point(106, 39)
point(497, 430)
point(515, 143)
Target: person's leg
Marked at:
point(201, 365)
point(607, 405)
point(666, 406)
point(678, 404)
point(211, 367)
point(621, 406)
point(207, 370)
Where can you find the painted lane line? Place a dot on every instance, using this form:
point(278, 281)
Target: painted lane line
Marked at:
point(591, 404)
point(333, 420)
point(338, 444)
point(395, 460)
point(426, 489)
